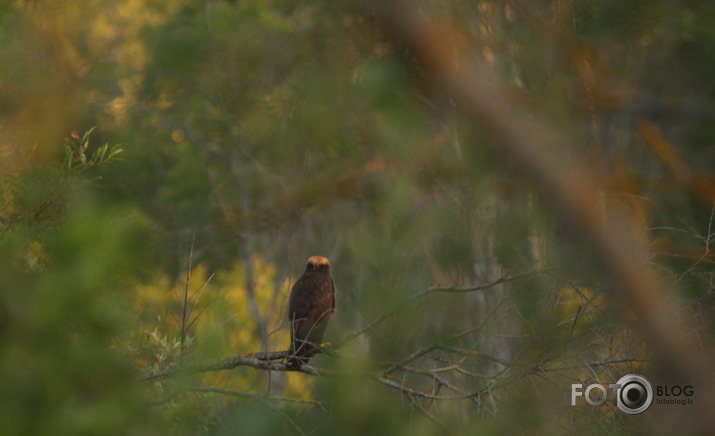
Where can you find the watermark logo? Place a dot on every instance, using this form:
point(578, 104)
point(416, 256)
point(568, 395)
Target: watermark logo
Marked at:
point(635, 394)
point(671, 395)
point(632, 393)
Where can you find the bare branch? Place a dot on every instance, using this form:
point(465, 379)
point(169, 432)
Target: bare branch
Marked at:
point(260, 360)
point(185, 305)
point(508, 277)
point(401, 363)
point(437, 288)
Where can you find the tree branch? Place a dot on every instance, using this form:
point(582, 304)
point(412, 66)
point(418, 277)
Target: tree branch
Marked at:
point(260, 360)
point(509, 276)
point(568, 184)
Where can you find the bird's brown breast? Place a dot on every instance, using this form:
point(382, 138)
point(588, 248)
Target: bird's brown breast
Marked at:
point(312, 302)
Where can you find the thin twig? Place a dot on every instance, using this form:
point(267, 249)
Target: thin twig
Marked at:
point(184, 306)
point(437, 288)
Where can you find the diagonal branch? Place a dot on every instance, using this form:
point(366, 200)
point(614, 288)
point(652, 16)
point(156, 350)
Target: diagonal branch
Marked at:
point(509, 276)
point(568, 184)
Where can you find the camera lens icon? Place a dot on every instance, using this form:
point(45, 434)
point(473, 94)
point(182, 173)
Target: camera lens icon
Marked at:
point(635, 394)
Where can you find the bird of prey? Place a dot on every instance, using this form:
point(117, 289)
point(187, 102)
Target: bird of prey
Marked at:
point(312, 303)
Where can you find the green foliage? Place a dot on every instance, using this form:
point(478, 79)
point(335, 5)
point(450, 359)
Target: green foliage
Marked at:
point(62, 374)
point(76, 152)
point(29, 195)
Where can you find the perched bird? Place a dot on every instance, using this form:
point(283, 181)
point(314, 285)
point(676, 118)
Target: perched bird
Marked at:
point(312, 303)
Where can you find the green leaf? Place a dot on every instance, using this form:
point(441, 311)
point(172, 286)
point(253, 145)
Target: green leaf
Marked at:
point(85, 137)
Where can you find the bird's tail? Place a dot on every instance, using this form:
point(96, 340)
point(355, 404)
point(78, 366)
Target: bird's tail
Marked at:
point(299, 355)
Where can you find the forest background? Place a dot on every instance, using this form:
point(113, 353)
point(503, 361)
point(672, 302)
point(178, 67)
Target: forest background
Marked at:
point(514, 196)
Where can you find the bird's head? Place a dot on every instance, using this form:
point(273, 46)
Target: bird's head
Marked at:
point(318, 263)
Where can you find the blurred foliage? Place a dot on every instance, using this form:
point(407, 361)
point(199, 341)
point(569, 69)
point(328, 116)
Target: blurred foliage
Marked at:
point(257, 133)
